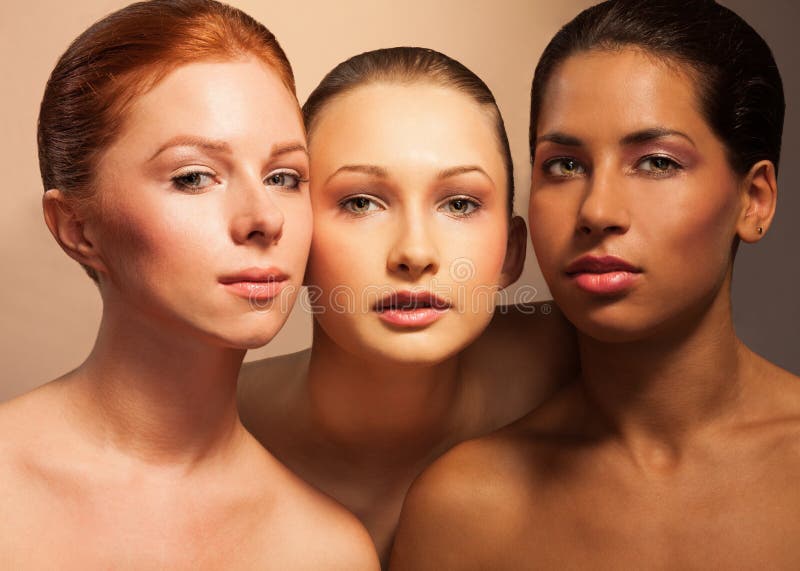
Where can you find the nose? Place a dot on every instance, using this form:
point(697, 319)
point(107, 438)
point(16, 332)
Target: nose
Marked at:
point(256, 217)
point(414, 252)
point(604, 209)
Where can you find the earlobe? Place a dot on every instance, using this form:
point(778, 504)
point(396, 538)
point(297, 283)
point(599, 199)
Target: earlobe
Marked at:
point(67, 228)
point(760, 196)
point(515, 251)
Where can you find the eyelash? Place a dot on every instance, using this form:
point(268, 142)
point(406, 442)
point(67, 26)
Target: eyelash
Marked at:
point(471, 202)
point(182, 182)
point(671, 167)
point(348, 205)
point(291, 173)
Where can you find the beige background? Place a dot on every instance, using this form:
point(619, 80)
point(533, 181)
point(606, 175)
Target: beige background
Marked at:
point(49, 309)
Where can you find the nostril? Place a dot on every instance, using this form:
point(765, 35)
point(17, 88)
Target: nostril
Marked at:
point(403, 267)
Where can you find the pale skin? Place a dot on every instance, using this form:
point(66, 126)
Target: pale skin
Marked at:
point(137, 459)
point(408, 185)
point(677, 447)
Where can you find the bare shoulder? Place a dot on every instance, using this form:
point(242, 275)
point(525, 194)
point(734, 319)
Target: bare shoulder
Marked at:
point(462, 511)
point(530, 350)
point(267, 386)
point(309, 530)
point(30, 429)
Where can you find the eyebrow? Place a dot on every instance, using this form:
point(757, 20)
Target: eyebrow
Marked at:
point(455, 171)
point(372, 170)
point(221, 146)
point(646, 135)
point(635, 138)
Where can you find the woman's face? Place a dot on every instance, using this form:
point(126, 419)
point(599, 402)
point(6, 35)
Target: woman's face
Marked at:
point(410, 221)
point(634, 206)
point(204, 219)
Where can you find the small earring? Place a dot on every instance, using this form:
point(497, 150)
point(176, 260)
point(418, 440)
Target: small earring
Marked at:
point(760, 230)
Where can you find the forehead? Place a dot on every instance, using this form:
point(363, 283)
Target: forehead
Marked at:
point(404, 124)
point(218, 99)
point(621, 90)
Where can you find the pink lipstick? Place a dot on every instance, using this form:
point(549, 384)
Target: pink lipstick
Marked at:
point(411, 309)
point(603, 275)
point(255, 283)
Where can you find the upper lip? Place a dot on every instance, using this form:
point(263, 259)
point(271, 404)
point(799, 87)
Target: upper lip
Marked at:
point(600, 265)
point(411, 300)
point(258, 275)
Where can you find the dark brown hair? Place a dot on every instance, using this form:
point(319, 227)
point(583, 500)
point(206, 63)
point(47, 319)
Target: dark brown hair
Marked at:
point(121, 57)
point(409, 65)
point(740, 88)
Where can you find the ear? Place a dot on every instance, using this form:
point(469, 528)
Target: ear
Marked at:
point(515, 251)
point(67, 227)
point(759, 196)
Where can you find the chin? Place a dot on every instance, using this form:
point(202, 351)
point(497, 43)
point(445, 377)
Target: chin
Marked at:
point(413, 353)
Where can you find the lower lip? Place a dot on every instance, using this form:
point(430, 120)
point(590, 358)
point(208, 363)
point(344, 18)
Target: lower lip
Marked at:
point(609, 283)
point(256, 290)
point(411, 318)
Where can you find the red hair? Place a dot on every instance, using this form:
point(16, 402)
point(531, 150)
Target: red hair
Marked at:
point(121, 57)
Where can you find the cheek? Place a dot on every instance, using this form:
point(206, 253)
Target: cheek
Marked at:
point(696, 235)
point(142, 239)
point(552, 227)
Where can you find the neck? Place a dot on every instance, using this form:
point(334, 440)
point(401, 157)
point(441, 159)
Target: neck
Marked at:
point(157, 394)
point(377, 407)
point(661, 390)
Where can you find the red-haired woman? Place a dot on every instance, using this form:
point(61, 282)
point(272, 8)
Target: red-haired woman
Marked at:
point(175, 171)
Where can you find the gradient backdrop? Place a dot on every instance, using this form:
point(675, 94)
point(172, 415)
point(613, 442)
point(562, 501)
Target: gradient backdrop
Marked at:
point(49, 309)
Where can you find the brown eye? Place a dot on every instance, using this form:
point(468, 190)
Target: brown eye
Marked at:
point(657, 165)
point(563, 167)
point(359, 205)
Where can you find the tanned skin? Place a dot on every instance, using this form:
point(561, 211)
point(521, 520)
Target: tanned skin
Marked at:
point(676, 447)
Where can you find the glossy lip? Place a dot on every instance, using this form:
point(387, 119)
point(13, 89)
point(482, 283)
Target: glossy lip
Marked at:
point(411, 309)
point(603, 275)
point(256, 283)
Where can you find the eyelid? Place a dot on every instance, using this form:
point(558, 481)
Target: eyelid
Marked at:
point(373, 199)
point(547, 164)
point(476, 205)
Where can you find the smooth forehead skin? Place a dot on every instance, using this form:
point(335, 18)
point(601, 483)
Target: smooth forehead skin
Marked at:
point(380, 124)
point(175, 105)
point(640, 90)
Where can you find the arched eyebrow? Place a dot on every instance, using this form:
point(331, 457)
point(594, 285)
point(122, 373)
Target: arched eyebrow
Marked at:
point(372, 170)
point(635, 138)
point(455, 171)
point(220, 146)
point(559, 139)
point(652, 133)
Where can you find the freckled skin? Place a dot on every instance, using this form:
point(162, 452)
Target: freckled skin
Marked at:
point(676, 447)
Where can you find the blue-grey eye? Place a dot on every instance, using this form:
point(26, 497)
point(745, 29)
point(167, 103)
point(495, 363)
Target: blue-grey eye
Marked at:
point(194, 180)
point(284, 179)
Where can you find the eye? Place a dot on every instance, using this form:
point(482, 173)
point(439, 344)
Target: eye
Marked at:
point(286, 179)
point(359, 204)
point(460, 206)
point(657, 165)
point(193, 180)
point(564, 167)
